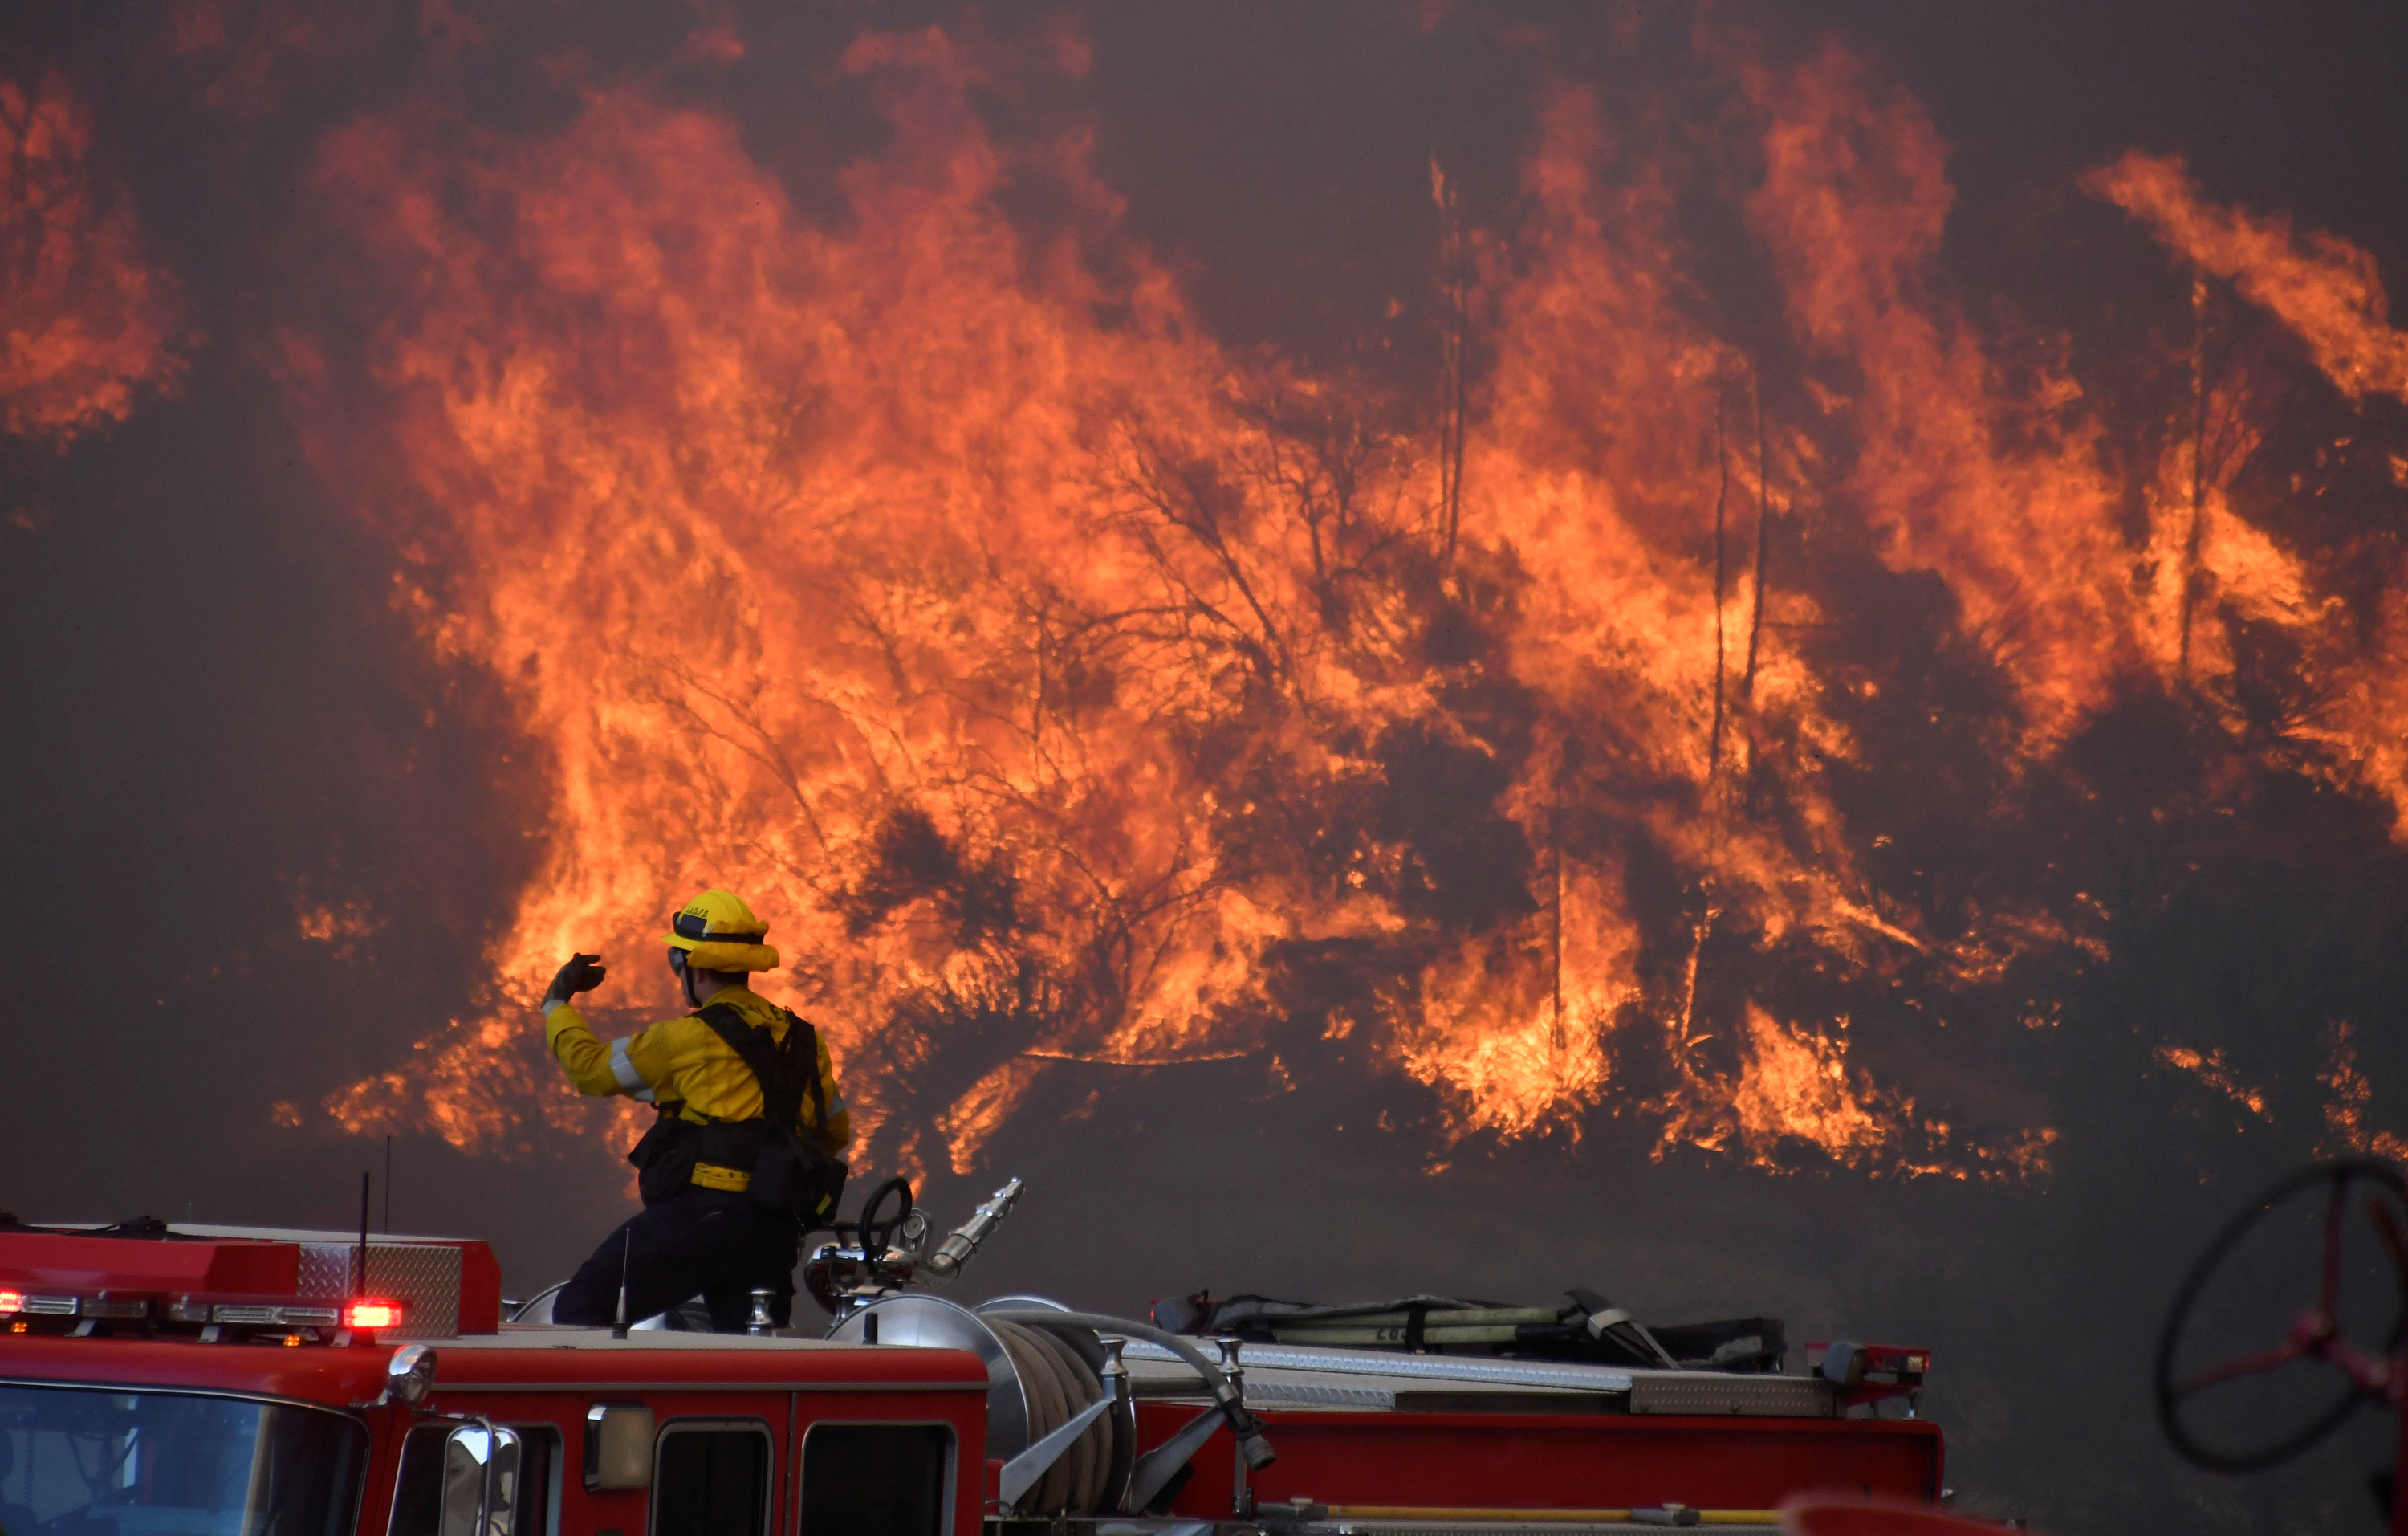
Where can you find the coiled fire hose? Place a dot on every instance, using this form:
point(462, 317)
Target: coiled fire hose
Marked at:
point(1077, 1386)
point(1059, 1385)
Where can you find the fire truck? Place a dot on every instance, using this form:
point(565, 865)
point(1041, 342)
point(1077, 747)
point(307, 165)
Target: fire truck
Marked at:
point(194, 1379)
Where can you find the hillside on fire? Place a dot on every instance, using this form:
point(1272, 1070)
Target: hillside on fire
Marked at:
point(1753, 655)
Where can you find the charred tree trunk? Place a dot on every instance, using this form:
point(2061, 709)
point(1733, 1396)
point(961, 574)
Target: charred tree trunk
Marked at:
point(2198, 533)
point(1721, 498)
point(1557, 1017)
point(1763, 522)
point(1453, 342)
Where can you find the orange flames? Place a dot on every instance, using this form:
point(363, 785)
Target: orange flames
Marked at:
point(2347, 1130)
point(86, 321)
point(2210, 1068)
point(2323, 289)
point(1069, 690)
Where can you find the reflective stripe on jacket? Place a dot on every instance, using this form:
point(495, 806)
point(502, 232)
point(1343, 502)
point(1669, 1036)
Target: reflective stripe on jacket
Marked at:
point(682, 1065)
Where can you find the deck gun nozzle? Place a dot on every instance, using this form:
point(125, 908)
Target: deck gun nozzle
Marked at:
point(957, 1249)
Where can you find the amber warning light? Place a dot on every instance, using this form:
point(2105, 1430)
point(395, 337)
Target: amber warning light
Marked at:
point(365, 1315)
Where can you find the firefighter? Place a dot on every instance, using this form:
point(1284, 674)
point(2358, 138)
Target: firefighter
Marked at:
point(730, 1184)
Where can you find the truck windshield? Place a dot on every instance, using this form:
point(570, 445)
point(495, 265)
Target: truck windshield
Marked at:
point(76, 1461)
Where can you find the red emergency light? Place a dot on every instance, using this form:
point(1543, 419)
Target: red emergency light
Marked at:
point(368, 1315)
point(225, 1284)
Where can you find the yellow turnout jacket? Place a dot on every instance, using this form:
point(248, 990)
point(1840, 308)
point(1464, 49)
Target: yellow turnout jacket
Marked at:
point(684, 1066)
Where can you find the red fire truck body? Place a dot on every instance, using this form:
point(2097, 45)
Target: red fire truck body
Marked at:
point(1534, 1460)
point(214, 1382)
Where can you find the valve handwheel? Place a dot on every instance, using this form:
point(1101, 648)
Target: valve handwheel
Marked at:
point(877, 1235)
point(2315, 1337)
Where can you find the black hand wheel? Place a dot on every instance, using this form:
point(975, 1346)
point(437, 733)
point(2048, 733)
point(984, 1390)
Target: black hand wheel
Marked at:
point(875, 1235)
point(2316, 1337)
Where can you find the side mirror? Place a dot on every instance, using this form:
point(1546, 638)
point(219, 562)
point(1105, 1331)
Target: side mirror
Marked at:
point(409, 1376)
point(617, 1447)
point(480, 1481)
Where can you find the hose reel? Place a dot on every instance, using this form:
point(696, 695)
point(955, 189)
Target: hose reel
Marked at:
point(1064, 1388)
point(1059, 1410)
point(1059, 1414)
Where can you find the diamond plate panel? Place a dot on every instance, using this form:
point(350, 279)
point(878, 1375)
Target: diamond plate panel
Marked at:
point(326, 1268)
point(425, 1277)
point(1316, 1394)
point(1749, 1397)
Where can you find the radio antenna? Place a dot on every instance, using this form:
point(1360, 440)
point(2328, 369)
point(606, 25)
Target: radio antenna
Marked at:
point(388, 1183)
point(360, 1285)
point(626, 1248)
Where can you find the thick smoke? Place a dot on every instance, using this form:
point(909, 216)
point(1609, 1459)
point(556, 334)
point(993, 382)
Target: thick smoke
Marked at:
point(1692, 745)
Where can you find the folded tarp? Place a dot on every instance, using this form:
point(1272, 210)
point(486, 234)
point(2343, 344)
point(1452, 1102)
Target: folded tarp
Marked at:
point(1590, 1329)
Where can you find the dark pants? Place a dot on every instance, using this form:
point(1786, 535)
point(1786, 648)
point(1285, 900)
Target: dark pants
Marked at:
point(704, 1242)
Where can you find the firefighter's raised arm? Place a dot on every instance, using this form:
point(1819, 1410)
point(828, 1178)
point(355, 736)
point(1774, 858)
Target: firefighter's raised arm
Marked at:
point(582, 974)
point(595, 1068)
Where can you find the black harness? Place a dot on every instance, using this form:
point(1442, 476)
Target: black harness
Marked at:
point(790, 1173)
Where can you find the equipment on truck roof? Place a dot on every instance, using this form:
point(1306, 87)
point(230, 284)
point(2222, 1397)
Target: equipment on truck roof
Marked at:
point(877, 1254)
point(1591, 1329)
point(1011, 1416)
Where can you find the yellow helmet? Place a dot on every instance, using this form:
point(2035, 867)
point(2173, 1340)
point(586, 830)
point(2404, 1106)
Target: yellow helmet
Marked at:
point(719, 932)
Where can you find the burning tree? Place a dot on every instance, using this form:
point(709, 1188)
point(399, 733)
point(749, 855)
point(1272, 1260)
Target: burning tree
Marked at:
point(1653, 728)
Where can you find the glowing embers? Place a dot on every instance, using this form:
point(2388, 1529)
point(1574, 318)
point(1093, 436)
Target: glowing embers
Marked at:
point(2211, 1068)
point(2350, 1094)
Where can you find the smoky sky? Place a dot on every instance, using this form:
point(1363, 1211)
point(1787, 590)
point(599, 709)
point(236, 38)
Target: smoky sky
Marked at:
point(218, 720)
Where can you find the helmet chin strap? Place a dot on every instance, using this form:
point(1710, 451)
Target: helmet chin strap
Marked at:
point(680, 962)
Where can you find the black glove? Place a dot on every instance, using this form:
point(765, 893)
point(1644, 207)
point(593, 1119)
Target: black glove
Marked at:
point(582, 974)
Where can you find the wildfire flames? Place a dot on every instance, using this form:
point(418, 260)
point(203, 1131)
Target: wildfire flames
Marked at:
point(1573, 740)
point(85, 320)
